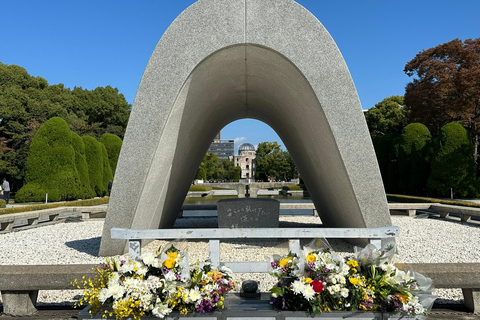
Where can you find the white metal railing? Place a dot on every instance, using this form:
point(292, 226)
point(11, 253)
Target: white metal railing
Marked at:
point(214, 236)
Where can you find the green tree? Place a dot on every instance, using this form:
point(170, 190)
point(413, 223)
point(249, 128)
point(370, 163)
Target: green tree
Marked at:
point(113, 144)
point(445, 87)
point(414, 159)
point(389, 116)
point(94, 157)
point(26, 102)
point(453, 164)
point(237, 174)
point(211, 166)
point(227, 170)
point(272, 161)
point(51, 166)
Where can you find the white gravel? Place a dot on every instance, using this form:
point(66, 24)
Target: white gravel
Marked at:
point(421, 240)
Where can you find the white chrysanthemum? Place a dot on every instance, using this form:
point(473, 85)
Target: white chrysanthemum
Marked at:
point(298, 287)
point(116, 291)
point(148, 258)
point(103, 295)
point(142, 270)
point(344, 292)
point(194, 295)
point(308, 292)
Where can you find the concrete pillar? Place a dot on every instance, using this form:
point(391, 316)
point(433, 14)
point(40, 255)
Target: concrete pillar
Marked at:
point(19, 303)
point(471, 299)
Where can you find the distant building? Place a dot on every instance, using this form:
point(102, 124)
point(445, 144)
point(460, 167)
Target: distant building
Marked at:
point(223, 149)
point(246, 160)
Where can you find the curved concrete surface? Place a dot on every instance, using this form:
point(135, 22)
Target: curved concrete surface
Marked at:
point(224, 60)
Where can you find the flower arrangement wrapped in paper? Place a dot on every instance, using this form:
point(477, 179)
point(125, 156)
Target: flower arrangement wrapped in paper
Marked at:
point(157, 284)
point(320, 281)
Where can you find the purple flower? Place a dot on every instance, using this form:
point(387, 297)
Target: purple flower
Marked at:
point(325, 269)
point(178, 277)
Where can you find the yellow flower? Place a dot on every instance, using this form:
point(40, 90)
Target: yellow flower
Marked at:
point(353, 281)
point(308, 280)
point(169, 263)
point(284, 262)
point(311, 258)
point(353, 263)
point(172, 255)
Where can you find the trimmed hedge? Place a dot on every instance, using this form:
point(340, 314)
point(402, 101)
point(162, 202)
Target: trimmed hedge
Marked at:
point(200, 188)
point(94, 157)
point(3, 203)
point(296, 187)
point(86, 191)
point(453, 165)
point(78, 203)
point(51, 165)
point(404, 198)
point(413, 159)
point(113, 144)
point(107, 175)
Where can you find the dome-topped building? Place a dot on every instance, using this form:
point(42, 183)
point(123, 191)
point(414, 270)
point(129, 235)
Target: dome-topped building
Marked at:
point(246, 160)
point(245, 147)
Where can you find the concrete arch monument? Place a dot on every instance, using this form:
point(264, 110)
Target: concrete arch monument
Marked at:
point(224, 60)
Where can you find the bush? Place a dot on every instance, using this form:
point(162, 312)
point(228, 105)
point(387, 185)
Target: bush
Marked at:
point(86, 191)
point(3, 203)
point(78, 203)
point(107, 171)
point(51, 163)
point(414, 158)
point(296, 187)
point(453, 165)
point(94, 157)
point(199, 188)
point(113, 144)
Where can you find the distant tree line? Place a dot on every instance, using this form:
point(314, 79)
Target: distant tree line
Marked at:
point(26, 102)
point(427, 141)
point(212, 169)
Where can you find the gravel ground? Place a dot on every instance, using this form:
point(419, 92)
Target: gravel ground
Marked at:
point(421, 240)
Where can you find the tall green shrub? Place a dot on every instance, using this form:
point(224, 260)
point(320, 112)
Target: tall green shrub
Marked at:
point(113, 144)
point(51, 164)
point(382, 145)
point(107, 175)
point(94, 157)
point(86, 191)
point(414, 159)
point(452, 164)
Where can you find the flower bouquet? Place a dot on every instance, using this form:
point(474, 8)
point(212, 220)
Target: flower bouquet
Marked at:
point(157, 284)
point(321, 281)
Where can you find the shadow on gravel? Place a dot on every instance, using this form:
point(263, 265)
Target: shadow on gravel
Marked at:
point(88, 246)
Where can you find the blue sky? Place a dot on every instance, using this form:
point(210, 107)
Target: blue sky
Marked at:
point(93, 43)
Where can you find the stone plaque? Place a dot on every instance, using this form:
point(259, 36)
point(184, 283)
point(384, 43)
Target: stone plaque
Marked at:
point(248, 213)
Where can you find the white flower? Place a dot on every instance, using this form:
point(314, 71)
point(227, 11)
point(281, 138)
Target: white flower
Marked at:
point(308, 292)
point(344, 292)
point(170, 276)
point(161, 309)
point(148, 258)
point(103, 295)
point(298, 287)
point(194, 295)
